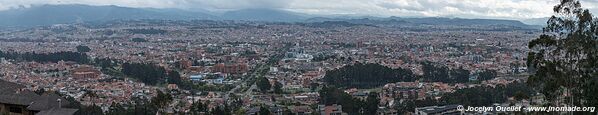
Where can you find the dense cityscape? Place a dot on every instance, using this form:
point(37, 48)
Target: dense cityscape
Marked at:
point(233, 67)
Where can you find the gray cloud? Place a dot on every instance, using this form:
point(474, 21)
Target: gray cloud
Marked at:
point(518, 9)
point(237, 4)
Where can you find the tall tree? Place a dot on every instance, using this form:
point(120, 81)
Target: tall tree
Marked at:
point(264, 111)
point(371, 103)
point(332, 95)
point(368, 75)
point(277, 87)
point(146, 73)
point(197, 108)
point(564, 59)
point(116, 109)
point(162, 99)
point(263, 84)
point(487, 75)
point(174, 77)
point(83, 49)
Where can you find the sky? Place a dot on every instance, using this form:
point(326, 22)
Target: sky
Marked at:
point(498, 9)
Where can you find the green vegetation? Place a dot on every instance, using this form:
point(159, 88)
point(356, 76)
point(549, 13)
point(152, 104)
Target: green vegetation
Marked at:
point(46, 57)
point(83, 49)
point(263, 84)
point(108, 66)
point(147, 31)
point(161, 100)
point(563, 61)
point(486, 75)
point(476, 96)
point(146, 73)
point(366, 76)
point(435, 73)
point(264, 111)
point(197, 108)
point(105, 63)
point(332, 95)
point(221, 110)
point(174, 77)
point(277, 87)
point(139, 40)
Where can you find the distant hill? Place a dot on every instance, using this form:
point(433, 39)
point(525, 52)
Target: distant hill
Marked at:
point(72, 13)
point(58, 14)
point(322, 19)
point(460, 21)
point(398, 21)
point(424, 21)
point(536, 21)
point(331, 24)
point(271, 15)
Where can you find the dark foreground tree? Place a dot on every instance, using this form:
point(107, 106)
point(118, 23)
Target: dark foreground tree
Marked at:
point(146, 73)
point(366, 76)
point(277, 87)
point(263, 84)
point(264, 111)
point(83, 49)
point(563, 60)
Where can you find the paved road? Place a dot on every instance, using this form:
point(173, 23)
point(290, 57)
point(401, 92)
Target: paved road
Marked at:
point(259, 71)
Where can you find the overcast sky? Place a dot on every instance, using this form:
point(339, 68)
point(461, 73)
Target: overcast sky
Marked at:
point(513, 9)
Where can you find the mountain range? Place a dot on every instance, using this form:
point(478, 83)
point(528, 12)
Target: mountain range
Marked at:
point(73, 13)
point(536, 21)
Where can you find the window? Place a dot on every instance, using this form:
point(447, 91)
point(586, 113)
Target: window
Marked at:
point(15, 110)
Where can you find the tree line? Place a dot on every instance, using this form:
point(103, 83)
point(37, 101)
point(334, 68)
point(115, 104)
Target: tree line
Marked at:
point(47, 57)
point(433, 73)
point(147, 31)
point(350, 105)
point(151, 74)
point(366, 76)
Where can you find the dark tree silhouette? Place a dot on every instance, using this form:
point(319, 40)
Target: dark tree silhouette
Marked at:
point(366, 76)
point(174, 77)
point(83, 49)
point(439, 73)
point(263, 84)
point(264, 111)
point(147, 31)
point(146, 73)
point(47, 57)
point(197, 108)
point(564, 59)
point(487, 75)
point(277, 87)
point(138, 40)
point(350, 105)
point(161, 100)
